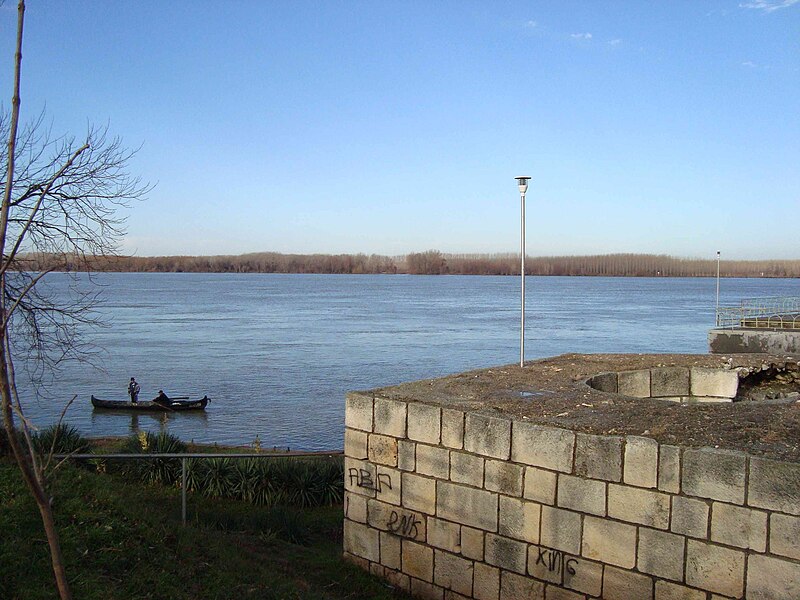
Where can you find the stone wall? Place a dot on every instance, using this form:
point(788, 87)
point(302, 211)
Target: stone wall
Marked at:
point(734, 341)
point(448, 504)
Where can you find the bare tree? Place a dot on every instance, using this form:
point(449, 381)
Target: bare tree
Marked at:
point(60, 197)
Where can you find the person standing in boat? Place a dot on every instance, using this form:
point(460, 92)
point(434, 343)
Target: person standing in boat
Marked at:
point(133, 390)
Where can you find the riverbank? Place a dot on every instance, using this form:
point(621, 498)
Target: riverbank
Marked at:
point(431, 262)
point(122, 539)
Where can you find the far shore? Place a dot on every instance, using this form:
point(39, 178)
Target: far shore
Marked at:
point(431, 262)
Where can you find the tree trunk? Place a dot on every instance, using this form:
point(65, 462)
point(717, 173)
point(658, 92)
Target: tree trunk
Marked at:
point(34, 481)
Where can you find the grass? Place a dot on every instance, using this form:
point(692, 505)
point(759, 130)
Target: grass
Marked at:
point(123, 539)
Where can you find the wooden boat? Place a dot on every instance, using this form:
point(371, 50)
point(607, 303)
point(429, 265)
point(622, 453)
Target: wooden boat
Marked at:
point(174, 404)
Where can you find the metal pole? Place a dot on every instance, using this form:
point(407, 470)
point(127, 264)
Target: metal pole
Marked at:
point(522, 277)
point(716, 312)
point(183, 491)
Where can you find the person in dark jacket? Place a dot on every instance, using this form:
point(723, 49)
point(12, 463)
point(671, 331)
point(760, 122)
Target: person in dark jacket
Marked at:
point(162, 398)
point(133, 390)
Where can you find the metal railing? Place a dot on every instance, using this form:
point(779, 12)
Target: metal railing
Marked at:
point(195, 455)
point(761, 313)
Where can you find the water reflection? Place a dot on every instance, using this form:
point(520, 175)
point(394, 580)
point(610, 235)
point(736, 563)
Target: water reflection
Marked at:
point(138, 421)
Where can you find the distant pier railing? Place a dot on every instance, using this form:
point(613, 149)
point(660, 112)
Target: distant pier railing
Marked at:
point(761, 313)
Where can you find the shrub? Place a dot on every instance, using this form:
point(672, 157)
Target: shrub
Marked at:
point(62, 438)
point(158, 470)
point(5, 446)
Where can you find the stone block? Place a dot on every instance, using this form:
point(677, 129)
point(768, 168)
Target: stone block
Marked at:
point(358, 411)
point(540, 485)
point(582, 575)
point(390, 417)
point(641, 462)
point(382, 450)
point(418, 560)
point(609, 542)
point(444, 535)
point(519, 519)
point(452, 573)
point(737, 526)
point(714, 474)
point(486, 584)
point(426, 591)
point(487, 436)
point(784, 535)
point(406, 455)
point(472, 543)
point(468, 506)
point(666, 590)
point(397, 520)
point(399, 580)
point(424, 423)
point(718, 383)
point(391, 551)
point(419, 493)
point(714, 568)
point(774, 485)
point(355, 507)
point(361, 541)
point(690, 517)
point(668, 381)
point(452, 428)
point(634, 383)
point(504, 477)
point(508, 554)
point(560, 529)
point(660, 554)
point(355, 443)
point(604, 382)
point(361, 563)
point(390, 485)
point(466, 468)
point(626, 585)
point(547, 564)
point(772, 578)
point(546, 447)
point(517, 587)
point(669, 469)
point(377, 570)
point(558, 593)
point(637, 505)
point(360, 477)
point(582, 495)
point(433, 461)
point(598, 457)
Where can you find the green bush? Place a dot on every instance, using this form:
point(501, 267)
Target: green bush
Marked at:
point(165, 471)
point(5, 446)
point(62, 438)
point(268, 482)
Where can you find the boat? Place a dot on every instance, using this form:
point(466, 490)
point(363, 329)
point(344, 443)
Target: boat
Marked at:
point(172, 405)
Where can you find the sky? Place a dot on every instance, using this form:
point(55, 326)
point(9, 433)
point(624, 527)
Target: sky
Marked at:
point(391, 127)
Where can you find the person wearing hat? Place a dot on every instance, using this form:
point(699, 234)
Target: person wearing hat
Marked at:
point(133, 391)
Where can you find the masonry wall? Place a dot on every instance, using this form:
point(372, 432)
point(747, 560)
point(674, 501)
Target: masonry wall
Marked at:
point(450, 505)
point(735, 341)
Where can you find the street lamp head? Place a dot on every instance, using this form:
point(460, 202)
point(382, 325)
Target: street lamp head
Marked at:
point(522, 181)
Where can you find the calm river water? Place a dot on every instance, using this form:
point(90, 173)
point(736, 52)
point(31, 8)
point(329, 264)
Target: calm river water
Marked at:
point(276, 353)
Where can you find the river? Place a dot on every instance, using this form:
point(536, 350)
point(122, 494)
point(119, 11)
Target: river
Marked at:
point(276, 353)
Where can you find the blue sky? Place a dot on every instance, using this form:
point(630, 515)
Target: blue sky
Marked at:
point(390, 127)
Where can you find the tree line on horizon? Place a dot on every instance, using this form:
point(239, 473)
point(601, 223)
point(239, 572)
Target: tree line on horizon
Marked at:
point(430, 262)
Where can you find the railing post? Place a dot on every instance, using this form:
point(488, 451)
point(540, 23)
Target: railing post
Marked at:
point(183, 491)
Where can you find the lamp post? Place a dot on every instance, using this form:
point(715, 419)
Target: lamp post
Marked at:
point(522, 181)
point(716, 313)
